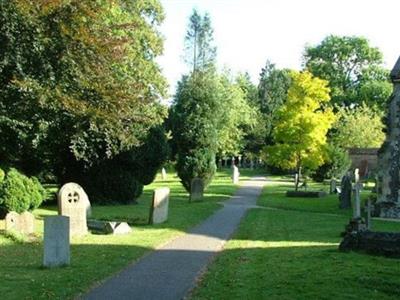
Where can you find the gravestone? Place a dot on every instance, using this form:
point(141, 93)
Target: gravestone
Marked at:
point(357, 200)
point(196, 189)
point(345, 193)
point(56, 241)
point(388, 192)
point(233, 162)
point(23, 223)
point(163, 174)
point(74, 203)
point(235, 175)
point(159, 206)
point(117, 228)
point(332, 188)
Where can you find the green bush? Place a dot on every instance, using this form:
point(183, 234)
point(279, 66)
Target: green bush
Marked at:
point(336, 166)
point(20, 193)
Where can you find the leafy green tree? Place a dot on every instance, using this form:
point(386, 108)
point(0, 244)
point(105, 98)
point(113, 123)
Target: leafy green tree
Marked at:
point(300, 130)
point(358, 127)
point(194, 121)
point(79, 80)
point(199, 42)
point(352, 68)
point(272, 90)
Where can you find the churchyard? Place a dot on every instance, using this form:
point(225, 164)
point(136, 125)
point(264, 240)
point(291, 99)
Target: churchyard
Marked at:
point(97, 256)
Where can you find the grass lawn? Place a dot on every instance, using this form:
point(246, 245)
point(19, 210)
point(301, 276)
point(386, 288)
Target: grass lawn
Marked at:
point(291, 253)
point(95, 257)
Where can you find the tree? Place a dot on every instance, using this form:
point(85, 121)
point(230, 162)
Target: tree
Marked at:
point(194, 121)
point(235, 118)
point(351, 66)
point(200, 51)
point(79, 80)
point(272, 92)
point(302, 123)
point(358, 127)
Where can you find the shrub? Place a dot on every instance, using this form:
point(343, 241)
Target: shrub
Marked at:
point(336, 166)
point(20, 193)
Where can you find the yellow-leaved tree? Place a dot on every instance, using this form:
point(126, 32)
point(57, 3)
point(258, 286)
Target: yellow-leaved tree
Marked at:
point(299, 132)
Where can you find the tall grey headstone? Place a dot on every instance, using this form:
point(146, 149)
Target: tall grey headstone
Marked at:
point(388, 192)
point(235, 175)
point(345, 192)
point(196, 189)
point(163, 174)
point(159, 206)
point(56, 242)
point(74, 203)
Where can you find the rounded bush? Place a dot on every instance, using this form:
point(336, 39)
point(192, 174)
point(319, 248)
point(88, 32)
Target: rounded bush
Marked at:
point(20, 193)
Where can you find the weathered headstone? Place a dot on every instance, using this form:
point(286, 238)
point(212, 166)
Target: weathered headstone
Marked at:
point(163, 174)
point(23, 223)
point(388, 192)
point(345, 193)
point(117, 228)
point(74, 203)
point(296, 180)
point(56, 241)
point(196, 189)
point(357, 200)
point(159, 206)
point(332, 187)
point(235, 175)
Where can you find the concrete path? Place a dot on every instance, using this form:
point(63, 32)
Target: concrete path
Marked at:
point(171, 271)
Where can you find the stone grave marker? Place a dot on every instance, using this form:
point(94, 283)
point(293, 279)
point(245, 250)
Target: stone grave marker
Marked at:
point(23, 223)
point(74, 203)
point(159, 206)
point(345, 192)
point(163, 174)
point(235, 175)
point(196, 189)
point(332, 188)
point(118, 228)
point(357, 201)
point(56, 241)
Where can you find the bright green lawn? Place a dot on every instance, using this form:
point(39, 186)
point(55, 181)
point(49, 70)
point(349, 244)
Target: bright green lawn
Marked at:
point(291, 253)
point(94, 257)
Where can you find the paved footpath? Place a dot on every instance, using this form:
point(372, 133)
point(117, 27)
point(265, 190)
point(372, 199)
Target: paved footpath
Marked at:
point(170, 272)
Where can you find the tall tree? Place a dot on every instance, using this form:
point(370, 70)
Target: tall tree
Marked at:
point(79, 81)
point(351, 66)
point(199, 42)
point(300, 130)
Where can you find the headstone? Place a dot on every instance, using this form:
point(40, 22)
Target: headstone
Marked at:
point(74, 203)
point(388, 194)
point(296, 180)
point(23, 223)
point(235, 175)
point(163, 174)
point(196, 189)
point(240, 161)
point(159, 206)
point(356, 176)
point(357, 201)
point(345, 194)
point(233, 162)
point(117, 228)
point(56, 241)
point(332, 187)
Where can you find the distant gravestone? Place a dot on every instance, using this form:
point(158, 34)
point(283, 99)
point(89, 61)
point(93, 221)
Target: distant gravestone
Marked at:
point(345, 192)
point(159, 206)
point(196, 189)
point(117, 228)
point(235, 175)
point(23, 223)
point(163, 174)
point(56, 241)
point(332, 189)
point(74, 203)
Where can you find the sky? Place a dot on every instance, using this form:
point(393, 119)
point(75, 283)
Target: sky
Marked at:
point(247, 33)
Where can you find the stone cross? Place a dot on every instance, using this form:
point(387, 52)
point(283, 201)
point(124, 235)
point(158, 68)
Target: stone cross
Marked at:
point(159, 206)
point(235, 175)
point(357, 201)
point(74, 203)
point(196, 189)
point(163, 174)
point(56, 241)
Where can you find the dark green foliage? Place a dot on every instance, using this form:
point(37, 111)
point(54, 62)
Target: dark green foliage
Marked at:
point(336, 166)
point(194, 120)
point(20, 193)
point(121, 179)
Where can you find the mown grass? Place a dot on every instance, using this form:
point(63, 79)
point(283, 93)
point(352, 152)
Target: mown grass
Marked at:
point(95, 257)
point(292, 253)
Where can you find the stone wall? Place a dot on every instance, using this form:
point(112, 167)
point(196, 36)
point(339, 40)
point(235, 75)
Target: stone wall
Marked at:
point(364, 159)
